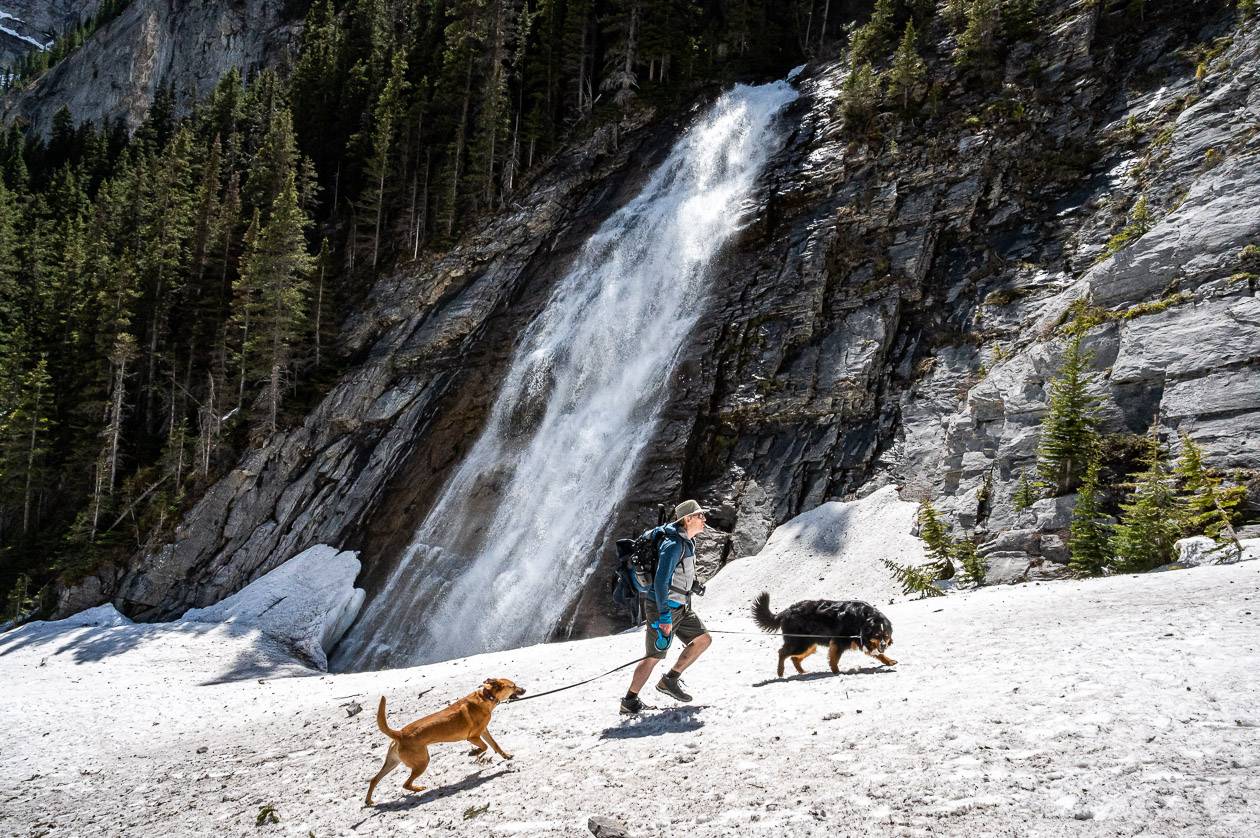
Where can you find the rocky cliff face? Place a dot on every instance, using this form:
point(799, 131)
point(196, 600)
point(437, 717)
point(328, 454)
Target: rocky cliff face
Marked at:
point(891, 314)
point(153, 44)
point(26, 25)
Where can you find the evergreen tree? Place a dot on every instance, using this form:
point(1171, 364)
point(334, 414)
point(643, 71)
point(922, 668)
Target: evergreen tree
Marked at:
point(872, 40)
point(860, 96)
point(271, 297)
point(907, 73)
point(623, 51)
point(913, 580)
point(370, 212)
point(940, 545)
point(1089, 539)
point(975, 568)
point(1149, 522)
point(1069, 431)
point(1025, 495)
point(979, 39)
point(1207, 505)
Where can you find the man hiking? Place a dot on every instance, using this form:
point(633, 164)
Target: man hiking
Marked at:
point(667, 607)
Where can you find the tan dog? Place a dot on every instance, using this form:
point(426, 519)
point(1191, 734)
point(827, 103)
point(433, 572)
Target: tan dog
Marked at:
point(465, 720)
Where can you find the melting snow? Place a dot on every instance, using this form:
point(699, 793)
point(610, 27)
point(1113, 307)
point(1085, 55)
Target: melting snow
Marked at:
point(1116, 706)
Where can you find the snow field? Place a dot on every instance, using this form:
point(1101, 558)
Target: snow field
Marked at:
point(1119, 706)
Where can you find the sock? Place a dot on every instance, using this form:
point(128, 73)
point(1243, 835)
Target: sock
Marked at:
point(631, 694)
point(673, 675)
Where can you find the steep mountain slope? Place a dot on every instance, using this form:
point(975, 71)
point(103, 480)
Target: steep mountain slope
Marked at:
point(187, 46)
point(33, 24)
point(888, 315)
point(1096, 707)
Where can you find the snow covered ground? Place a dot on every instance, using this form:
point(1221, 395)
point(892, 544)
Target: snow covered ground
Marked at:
point(1122, 706)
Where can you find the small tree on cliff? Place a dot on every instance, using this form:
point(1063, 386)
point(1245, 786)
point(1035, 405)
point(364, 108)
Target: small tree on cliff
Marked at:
point(940, 545)
point(908, 71)
point(1025, 495)
point(1069, 431)
point(1149, 522)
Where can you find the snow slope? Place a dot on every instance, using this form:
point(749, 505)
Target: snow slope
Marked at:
point(1104, 707)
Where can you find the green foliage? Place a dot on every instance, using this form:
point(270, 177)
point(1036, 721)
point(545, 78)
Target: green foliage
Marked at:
point(474, 811)
point(975, 568)
point(1089, 534)
point(1206, 504)
point(1149, 521)
point(19, 602)
point(1069, 430)
point(913, 580)
point(1025, 493)
point(1140, 222)
point(266, 815)
point(872, 40)
point(1246, 9)
point(908, 72)
point(860, 97)
point(978, 42)
point(940, 544)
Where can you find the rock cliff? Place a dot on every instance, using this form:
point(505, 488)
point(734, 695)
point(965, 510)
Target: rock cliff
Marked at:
point(187, 46)
point(890, 315)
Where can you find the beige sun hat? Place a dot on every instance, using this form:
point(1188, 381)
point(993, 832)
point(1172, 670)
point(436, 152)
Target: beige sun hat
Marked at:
point(687, 507)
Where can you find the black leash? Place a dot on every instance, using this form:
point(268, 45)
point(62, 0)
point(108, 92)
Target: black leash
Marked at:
point(769, 634)
point(579, 683)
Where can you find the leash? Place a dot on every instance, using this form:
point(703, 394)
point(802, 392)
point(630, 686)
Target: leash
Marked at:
point(579, 683)
point(768, 635)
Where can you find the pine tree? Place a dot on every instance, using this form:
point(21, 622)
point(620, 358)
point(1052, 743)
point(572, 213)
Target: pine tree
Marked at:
point(370, 211)
point(622, 53)
point(913, 580)
point(1207, 505)
point(978, 41)
point(871, 41)
point(1089, 539)
point(907, 73)
point(1025, 495)
point(1148, 522)
point(271, 297)
point(1069, 431)
point(940, 545)
point(860, 96)
point(975, 568)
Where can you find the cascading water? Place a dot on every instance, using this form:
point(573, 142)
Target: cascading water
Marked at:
point(507, 545)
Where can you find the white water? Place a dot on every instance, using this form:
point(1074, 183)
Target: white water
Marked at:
point(507, 545)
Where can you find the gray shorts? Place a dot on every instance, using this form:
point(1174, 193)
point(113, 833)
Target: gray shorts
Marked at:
point(687, 626)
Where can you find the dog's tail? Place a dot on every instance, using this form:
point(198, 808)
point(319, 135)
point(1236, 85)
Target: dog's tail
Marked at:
point(381, 723)
point(762, 615)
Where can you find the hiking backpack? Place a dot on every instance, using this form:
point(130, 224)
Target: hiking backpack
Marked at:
point(636, 568)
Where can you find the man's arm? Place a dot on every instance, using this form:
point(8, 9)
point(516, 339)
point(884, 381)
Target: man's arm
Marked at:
point(670, 554)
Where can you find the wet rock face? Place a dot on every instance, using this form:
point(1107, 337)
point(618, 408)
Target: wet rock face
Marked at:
point(362, 468)
point(890, 315)
point(151, 44)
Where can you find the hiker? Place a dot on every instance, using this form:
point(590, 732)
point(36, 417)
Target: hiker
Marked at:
point(667, 607)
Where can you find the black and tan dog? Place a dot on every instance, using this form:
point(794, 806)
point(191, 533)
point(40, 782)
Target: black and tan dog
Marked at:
point(465, 720)
point(838, 624)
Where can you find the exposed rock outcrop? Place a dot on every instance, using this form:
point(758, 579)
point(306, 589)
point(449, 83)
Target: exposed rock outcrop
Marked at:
point(187, 46)
point(890, 315)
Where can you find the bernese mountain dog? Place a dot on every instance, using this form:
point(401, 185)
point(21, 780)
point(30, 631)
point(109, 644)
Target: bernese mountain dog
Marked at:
point(838, 624)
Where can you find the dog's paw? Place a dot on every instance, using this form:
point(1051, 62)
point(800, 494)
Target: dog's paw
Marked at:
point(890, 662)
point(507, 756)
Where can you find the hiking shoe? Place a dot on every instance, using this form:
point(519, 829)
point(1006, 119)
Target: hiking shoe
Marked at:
point(631, 706)
point(672, 687)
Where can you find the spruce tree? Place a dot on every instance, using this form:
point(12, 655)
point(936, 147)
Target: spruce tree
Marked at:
point(1149, 522)
point(1089, 539)
point(913, 580)
point(906, 75)
point(860, 96)
point(1025, 494)
point(1207, 505)
point(1069, 431)
point(978, 41)
point(940, 545)
point(872, 40)
point(271, 298)
point(975, 567)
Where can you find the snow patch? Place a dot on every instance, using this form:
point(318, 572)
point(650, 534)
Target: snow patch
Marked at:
point(795, 71)
point(831, 552)
point(307, 603)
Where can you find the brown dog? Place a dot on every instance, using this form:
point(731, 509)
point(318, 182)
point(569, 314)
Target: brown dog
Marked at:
point(465, 720)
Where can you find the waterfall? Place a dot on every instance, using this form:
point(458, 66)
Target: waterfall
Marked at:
point(508, 544)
